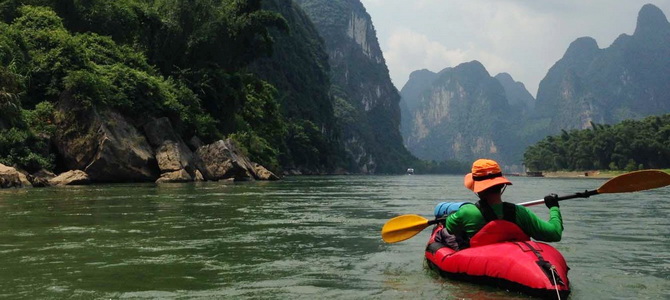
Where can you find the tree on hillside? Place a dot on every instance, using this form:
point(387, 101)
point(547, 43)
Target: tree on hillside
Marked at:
point(629, 145)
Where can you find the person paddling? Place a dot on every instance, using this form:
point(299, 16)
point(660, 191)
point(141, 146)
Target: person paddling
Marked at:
point(463, 220)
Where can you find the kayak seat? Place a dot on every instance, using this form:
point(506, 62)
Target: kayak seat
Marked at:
point(498, 231)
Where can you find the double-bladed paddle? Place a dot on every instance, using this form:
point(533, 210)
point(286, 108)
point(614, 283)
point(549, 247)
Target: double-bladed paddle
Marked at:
point(404, 227)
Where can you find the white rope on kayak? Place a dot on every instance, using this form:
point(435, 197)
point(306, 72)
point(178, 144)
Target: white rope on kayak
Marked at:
point(553, 274)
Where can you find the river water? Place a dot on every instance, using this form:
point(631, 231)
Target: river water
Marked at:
point(301, 238)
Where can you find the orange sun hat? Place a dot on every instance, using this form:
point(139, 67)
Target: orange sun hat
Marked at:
point(485, 174)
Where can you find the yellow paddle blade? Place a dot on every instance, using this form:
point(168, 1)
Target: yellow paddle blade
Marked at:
point(403, 227)
point(636, 181)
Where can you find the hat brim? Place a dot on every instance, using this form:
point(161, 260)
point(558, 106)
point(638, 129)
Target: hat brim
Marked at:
point(479, 186)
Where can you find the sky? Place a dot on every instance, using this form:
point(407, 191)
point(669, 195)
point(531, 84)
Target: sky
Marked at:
point(521, 37)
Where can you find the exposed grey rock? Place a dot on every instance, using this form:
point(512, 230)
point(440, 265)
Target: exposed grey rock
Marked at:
point(44, 173)
point(176, 176)
point(160, 130)
point(73, 177)
point(41, 178)
point(262, 173)
point(198, 176)
point(103, 144)
point(172, 156)
point(10, 177)
point(223, 160)
point(123, 153)
point(24, 180)
point(39, 182)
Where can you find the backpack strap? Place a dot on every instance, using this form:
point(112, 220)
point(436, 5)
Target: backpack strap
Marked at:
point(509, 211)
point(486, 210)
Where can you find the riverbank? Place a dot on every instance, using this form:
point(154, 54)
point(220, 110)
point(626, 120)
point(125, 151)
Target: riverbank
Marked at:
point(587, 174)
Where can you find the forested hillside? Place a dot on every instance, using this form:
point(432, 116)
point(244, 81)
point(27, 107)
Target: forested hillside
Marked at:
point(629, 145)
point(299, 69)
point(64, 61)
point(256, 71)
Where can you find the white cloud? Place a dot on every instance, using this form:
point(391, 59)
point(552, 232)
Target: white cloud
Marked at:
point(408, 51)
point(511, 38)
point(520, 37)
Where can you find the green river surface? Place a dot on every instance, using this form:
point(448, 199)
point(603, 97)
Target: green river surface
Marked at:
point(307, 237)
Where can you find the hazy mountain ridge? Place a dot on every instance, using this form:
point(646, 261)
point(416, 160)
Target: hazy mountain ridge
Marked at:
point(627, 80)
point(517, 94)
point(462, 113)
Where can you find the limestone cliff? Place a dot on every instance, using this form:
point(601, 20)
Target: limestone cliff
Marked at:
point(462, 113)
point(366, 102)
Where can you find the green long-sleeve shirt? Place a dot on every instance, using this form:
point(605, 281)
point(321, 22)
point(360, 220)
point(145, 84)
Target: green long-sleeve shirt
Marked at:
point(469, 219)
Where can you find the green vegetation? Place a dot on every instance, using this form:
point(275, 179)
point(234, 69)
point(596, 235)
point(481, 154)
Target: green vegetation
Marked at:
point(256, 71)
point(627, 146)
point(300, 71)
point(186, 60)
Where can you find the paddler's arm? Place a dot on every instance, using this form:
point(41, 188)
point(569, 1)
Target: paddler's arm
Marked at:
point(548, 231)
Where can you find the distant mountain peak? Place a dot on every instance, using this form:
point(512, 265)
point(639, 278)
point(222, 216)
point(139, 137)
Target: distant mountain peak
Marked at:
point(651, 19)
point(627, 80)
point(473, 68)
point(472, 64)
point(516, 92)
point(505, 76)
point(419, 73)
point(583, 46)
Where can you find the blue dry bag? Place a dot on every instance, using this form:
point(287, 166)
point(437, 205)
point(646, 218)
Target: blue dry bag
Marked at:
point(447, 208)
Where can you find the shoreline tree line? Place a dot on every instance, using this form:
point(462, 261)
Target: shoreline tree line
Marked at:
point(626, 146)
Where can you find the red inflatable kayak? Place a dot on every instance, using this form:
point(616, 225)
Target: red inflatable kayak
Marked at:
point(501, 255)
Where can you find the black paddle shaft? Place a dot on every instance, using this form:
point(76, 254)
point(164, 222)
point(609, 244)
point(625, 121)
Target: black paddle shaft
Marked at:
point(585, 194)
point(435, 221)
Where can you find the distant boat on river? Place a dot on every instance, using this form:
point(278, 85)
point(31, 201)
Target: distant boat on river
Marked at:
point(410, 171)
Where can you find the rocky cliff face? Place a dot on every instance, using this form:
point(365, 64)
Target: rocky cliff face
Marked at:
point(419, 81)
point(626, 80)
point(462, 113)
point(103, 144)
point(300, 71)
point(517, 95)
point(366, 102)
